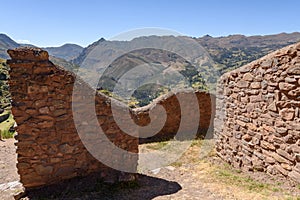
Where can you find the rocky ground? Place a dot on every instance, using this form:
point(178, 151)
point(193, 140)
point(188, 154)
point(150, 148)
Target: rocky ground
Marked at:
point(187, 178)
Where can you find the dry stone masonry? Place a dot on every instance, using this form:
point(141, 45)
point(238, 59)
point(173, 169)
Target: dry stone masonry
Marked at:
point(203, 116)
point(49, 148)
point(257, 124)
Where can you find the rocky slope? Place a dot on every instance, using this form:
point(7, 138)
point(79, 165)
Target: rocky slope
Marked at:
point(150, 62)
point(222, 54)
point(67, 51)
point(6, 43)
point(234, 51)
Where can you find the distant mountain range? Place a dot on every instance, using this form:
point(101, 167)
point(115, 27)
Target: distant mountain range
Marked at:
point(230, 51)
point(220, 54)
point(237, 50)
point(67, 51)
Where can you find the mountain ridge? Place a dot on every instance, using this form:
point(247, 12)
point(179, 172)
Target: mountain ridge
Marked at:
point(67, 51)
point(220, 55)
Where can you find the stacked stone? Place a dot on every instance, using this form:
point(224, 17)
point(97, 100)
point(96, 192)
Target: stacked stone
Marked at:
point(257, 124)
point(180, 116)
point(49, 148)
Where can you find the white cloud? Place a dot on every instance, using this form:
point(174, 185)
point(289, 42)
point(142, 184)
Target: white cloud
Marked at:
point(23, 41)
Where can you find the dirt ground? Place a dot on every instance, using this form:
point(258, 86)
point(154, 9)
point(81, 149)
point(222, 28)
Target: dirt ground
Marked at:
point(187, 178)
point(9, 177)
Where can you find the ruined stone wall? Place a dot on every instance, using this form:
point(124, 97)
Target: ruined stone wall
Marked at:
point(49, 148)
point(201, 112)
point(257, 124)
point(54, 145)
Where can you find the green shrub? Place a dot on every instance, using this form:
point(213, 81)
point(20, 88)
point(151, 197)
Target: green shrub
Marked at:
point(6, 134)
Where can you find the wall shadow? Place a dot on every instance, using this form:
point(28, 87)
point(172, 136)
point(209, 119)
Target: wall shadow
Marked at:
point(145, 187)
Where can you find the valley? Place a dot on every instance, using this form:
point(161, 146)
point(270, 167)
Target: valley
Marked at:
point(220, 55)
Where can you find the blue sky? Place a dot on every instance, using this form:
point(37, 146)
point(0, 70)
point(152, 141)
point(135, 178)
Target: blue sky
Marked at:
point(55, 22)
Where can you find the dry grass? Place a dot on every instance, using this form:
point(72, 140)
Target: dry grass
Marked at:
point(5, 126)
point(230, 183)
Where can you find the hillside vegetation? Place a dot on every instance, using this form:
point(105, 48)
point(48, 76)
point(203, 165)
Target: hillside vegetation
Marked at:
point(220, 55)
point(4, 88)
point(235, 51)
point(6, 118)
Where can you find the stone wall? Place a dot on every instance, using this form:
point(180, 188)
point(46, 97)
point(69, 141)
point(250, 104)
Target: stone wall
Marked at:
point(49, 148)
point(175, 126)
point(257, 124)
point(52, 109)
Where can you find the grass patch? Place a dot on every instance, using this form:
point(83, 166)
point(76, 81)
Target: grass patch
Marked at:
point(196, 143)
point(7, 123)
point(234, 177)
point(292, 198)
point(5, 126)
point(157, 145)
point(6, 134)
point(176, 164)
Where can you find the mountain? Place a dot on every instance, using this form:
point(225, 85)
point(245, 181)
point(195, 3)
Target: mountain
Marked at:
point(111, 60)
point(159, 63)
point(6, 43)
point(81, 57)
point(98, 56)
point(201, 66)
point(234, 51)
point(144, 74)
point(63, 63)
point(67, 51)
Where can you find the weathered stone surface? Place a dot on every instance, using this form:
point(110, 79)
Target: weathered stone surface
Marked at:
point(286, 86)
point(272, 107)
point(267, 145)
point(29, 54)
point(285, 154)
point(44, 110)
point(290, 80)
point(281, 170)
point(287, 114)
point(242, 84)
point(42, 170)
point(268, 95)
point(286, 166)
point(294, 175)
point(248, 77)
point(48, 141)
point(294, 70)
point(281, 130)
point(255, 85)
point(295, 92)
point(270, 160)
point(255, 99)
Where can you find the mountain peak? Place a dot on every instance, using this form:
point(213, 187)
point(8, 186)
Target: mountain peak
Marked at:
point(6, 43)
point(68, 45)
point(101, 40)
point(67, 51)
